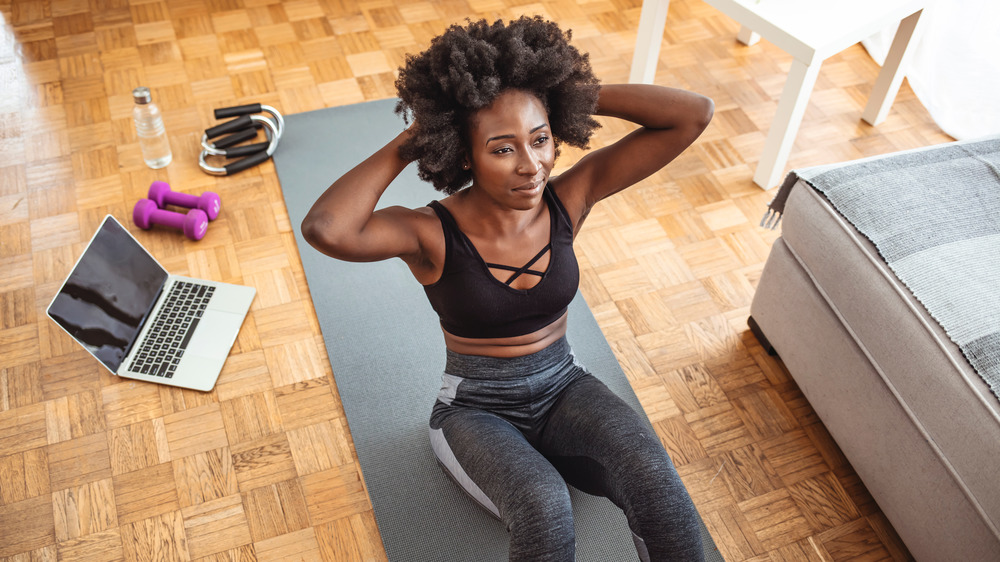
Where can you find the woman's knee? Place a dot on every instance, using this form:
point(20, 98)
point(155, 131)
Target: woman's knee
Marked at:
point(539, 517)
point(652, 479)
point(537, 499)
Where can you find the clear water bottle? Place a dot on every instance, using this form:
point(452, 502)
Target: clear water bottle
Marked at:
point(149, 126)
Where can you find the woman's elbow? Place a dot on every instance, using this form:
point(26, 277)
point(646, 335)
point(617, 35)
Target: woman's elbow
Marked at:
point(318, 231)
point(705, 110)
point(697, 118)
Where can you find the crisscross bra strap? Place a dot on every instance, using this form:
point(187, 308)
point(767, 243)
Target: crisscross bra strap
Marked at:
point(518, 271)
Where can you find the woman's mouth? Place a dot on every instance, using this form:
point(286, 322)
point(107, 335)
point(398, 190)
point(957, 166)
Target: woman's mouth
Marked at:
point(530, 188)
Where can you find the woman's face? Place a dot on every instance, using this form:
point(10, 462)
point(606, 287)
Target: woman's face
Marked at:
point(512, 152)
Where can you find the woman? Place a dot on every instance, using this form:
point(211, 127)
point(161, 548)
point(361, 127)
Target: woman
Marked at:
point(517, 416)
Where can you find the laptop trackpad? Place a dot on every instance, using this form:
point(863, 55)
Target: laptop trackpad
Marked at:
point(215, 334)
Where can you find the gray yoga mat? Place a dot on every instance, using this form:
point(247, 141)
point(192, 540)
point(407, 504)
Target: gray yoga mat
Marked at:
point(387, 354)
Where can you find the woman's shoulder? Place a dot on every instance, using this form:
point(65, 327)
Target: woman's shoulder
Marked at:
point(422, 222)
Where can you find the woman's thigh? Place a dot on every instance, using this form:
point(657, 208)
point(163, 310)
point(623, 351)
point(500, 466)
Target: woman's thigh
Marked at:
point(591, 433)
point(491, 460)
point(604, 447)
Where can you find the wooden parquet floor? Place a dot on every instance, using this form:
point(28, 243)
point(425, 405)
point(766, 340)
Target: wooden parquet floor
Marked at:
point(94, 467)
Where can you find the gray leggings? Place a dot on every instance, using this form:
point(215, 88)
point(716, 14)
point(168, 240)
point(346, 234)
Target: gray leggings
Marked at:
point(512, 433)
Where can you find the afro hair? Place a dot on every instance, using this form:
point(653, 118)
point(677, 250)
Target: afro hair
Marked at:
point(467, 67)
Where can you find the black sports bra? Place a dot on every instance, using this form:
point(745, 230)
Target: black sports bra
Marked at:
point(472, 303)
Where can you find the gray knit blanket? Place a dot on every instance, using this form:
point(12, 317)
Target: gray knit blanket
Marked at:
point(934, 216)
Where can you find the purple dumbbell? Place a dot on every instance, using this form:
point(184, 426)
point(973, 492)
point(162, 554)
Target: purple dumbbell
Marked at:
point(146, 213)
point(209, 202)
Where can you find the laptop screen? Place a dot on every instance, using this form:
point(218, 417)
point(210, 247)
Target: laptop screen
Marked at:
point(109, 293)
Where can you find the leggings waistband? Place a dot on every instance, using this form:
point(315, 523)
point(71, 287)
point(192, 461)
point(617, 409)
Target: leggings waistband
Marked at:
point(496, 368)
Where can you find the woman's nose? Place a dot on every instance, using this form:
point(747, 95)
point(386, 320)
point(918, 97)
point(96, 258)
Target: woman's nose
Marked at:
point(529, 164)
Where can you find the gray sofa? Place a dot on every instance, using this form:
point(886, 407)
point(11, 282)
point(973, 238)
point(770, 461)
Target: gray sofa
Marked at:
point(918, 423)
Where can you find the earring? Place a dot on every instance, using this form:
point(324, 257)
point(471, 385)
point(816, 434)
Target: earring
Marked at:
point(466, 166)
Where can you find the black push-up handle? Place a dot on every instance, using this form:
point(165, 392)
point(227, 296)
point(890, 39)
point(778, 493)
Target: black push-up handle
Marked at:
point(236, 138)
point(241, 122)
point(252, 160)
point(246, 150)
point(224, 112)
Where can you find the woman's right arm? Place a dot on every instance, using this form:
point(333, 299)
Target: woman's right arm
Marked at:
point(344, 224)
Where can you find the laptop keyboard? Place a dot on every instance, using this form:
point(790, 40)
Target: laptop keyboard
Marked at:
point(169, 336)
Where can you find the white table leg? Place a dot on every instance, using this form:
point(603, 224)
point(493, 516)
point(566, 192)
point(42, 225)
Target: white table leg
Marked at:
point(891, 76)
point(652, 19)
point(747, 36)
point(781, 136)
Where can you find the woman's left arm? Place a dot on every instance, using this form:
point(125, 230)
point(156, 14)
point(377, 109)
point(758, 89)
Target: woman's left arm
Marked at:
point(670, 120)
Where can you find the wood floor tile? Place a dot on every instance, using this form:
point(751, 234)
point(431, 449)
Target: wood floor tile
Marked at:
point(22, 429)
point(83, 510)
point(263, 461)
point(72, 416)
point(824, 502)
point(19, 345)
point(105, 546)
point(174, 399)
point(738, 540)
point(128, 403)
point(308, 403)
point(25, 476)
point(776, 519)
point(805, 550)
point(283, 324)
point(251, 417)
point(204, 477)
point(719, 428)
point(680, 440)
point(27, 525)
point(656, 400)
point(764, 414)
point(295, 361)
point(195, 431)
point(216, 526)
point(138, 446)
point(157, 538)
point(145, 493)
point(245, 553)
point(298, 546)
point(366, 532)
point(275, 510)
point(707, 490)
point(319, 447)
point(78, 461)
point(243, 374)
point(337, 540)
point(335, 493)
point(793, 457)
point(748, 473)
point(855, 541)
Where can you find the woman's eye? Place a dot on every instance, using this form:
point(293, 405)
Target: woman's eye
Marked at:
point(502, 150)
point(541, 140)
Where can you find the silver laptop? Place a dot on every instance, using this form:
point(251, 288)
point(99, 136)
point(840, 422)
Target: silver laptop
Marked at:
point(143, 323)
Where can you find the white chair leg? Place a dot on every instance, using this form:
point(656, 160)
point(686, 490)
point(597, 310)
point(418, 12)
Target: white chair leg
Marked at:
point(784, 127)
point(652, 20)
point(747, 36)
point(891, 76)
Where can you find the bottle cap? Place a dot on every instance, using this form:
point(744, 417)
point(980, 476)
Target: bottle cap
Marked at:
point(141, 95)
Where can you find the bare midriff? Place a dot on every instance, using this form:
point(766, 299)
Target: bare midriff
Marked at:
point(515, 346)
